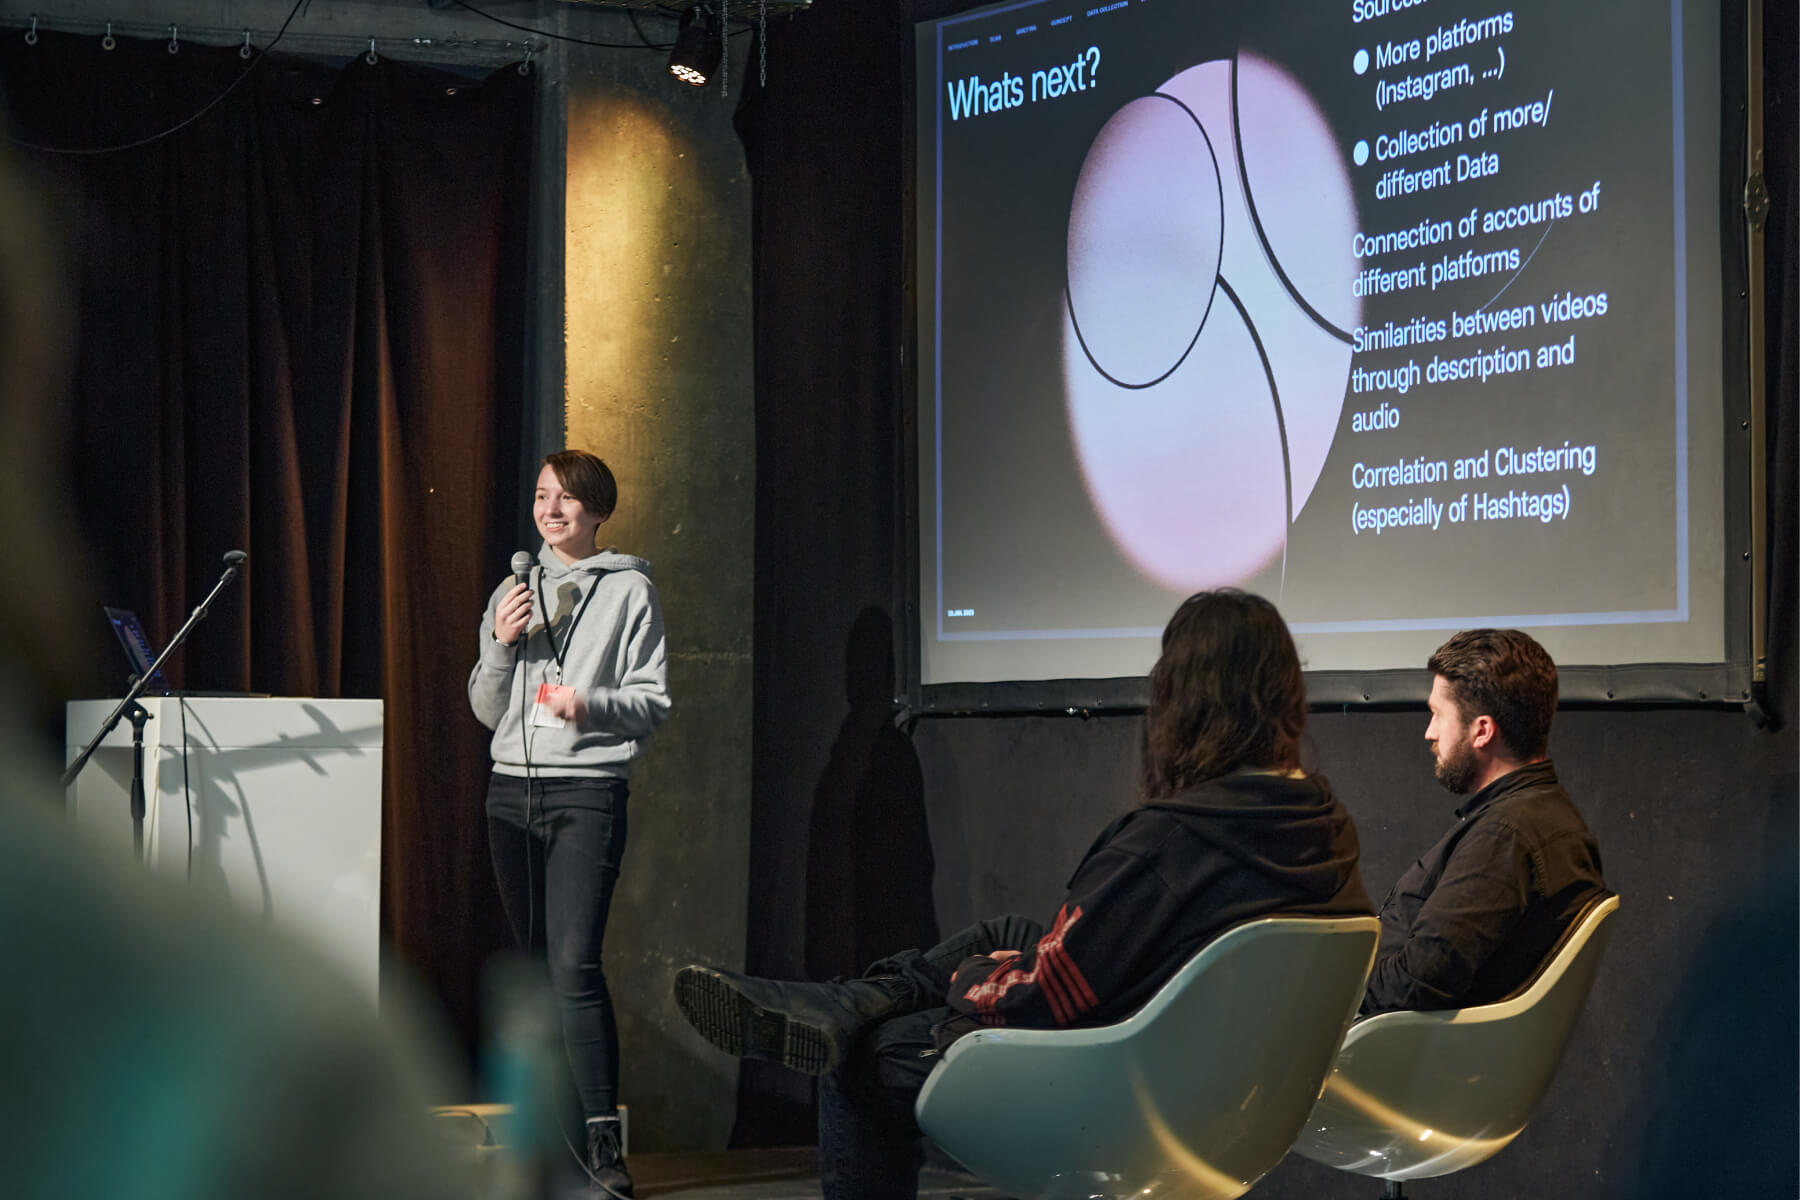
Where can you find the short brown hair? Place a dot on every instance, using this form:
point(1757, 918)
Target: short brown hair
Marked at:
point(1506, 675)
point(587, 479)
point(1227, 692)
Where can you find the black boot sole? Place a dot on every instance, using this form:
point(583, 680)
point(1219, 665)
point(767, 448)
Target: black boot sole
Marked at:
point(735, 1025)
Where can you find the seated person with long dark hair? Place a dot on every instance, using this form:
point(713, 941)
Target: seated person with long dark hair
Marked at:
point(1231, 828)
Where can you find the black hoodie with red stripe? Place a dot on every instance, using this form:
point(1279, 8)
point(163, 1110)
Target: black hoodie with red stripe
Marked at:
point(1162, 881)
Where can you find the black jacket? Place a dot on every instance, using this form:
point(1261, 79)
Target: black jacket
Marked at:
point(1472, 919)
point(1158, 884)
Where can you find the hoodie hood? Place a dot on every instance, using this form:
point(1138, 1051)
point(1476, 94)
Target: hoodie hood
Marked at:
point(595, 563)
point(1278, 826)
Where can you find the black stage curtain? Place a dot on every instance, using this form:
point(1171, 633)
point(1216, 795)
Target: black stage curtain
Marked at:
point(828, 306)
point(300, 322)
point(1781, 329)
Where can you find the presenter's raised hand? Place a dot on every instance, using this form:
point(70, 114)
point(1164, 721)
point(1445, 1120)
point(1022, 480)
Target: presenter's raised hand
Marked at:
point(568, 704)
point(512, 615)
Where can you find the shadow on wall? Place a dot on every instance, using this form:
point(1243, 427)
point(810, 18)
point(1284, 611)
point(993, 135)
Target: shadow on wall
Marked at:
point(869, 865)
point(1722, 1104)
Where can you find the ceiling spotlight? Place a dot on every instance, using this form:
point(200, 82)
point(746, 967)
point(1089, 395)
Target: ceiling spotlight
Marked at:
point(699, 43)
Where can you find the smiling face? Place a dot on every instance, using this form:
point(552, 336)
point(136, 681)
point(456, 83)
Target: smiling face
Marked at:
point(1451, 741)
point(564, 521)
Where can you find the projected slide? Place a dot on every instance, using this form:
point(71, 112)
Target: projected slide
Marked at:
point(1403, 313)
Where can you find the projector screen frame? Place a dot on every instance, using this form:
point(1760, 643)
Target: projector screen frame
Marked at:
point(1730, 682)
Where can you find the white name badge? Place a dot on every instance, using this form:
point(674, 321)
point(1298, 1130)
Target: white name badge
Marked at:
point(541, 713)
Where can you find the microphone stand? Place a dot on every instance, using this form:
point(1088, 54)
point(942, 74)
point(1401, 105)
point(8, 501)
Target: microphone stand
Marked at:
point(233, 560)
point(137, 714)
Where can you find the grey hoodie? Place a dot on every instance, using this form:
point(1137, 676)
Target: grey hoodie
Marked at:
point(615, 659)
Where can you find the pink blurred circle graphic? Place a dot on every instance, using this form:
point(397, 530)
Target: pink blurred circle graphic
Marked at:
point(1144, 241)
point(1204, 365)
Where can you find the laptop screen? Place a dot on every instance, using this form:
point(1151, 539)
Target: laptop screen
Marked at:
point(137, 647)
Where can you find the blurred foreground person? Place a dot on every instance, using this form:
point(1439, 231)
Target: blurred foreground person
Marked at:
point(1231, 829)
point(155, 1044)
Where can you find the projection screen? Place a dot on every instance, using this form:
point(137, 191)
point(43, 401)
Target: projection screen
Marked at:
point(1408, 314)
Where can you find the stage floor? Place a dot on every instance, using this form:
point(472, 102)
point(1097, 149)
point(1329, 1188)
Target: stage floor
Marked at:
point(788, 1174)
point(477, 1136)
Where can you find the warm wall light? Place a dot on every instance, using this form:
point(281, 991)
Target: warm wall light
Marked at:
point(699, 44)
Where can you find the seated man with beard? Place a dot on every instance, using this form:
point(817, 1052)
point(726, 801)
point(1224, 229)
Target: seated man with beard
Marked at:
point(1231, 828)
point(1472, 919)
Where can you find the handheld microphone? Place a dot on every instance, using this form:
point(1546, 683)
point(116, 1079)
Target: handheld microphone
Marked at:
point(233, 560)
point(521, 566)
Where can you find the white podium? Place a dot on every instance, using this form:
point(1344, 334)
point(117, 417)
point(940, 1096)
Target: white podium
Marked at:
point(275, 802)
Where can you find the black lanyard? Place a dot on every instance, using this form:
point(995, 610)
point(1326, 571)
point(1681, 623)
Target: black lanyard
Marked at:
point(568, 635)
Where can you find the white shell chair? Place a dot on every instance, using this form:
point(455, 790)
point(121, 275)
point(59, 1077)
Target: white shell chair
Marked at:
point(1196, 1096)
point(1420, 1094)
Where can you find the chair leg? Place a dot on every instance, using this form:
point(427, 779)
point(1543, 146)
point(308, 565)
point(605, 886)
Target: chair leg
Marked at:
point(1393, 1191)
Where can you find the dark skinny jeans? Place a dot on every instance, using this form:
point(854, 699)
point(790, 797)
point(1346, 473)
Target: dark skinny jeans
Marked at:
point(556, 845)
point(869, 1143)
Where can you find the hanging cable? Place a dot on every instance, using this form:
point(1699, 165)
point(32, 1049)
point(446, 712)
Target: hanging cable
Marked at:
point(107, 43)
point(639, 30)
point(646, 44)
point(643, 42)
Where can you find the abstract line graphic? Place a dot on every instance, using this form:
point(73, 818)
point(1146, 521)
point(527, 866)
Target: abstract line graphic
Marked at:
point(1201, 427)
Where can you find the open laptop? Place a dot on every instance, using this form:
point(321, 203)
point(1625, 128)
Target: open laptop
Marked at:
point(141, 654)
point(138, 651)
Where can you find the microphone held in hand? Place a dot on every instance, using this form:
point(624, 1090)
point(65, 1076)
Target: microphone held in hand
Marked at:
point(515, 610)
